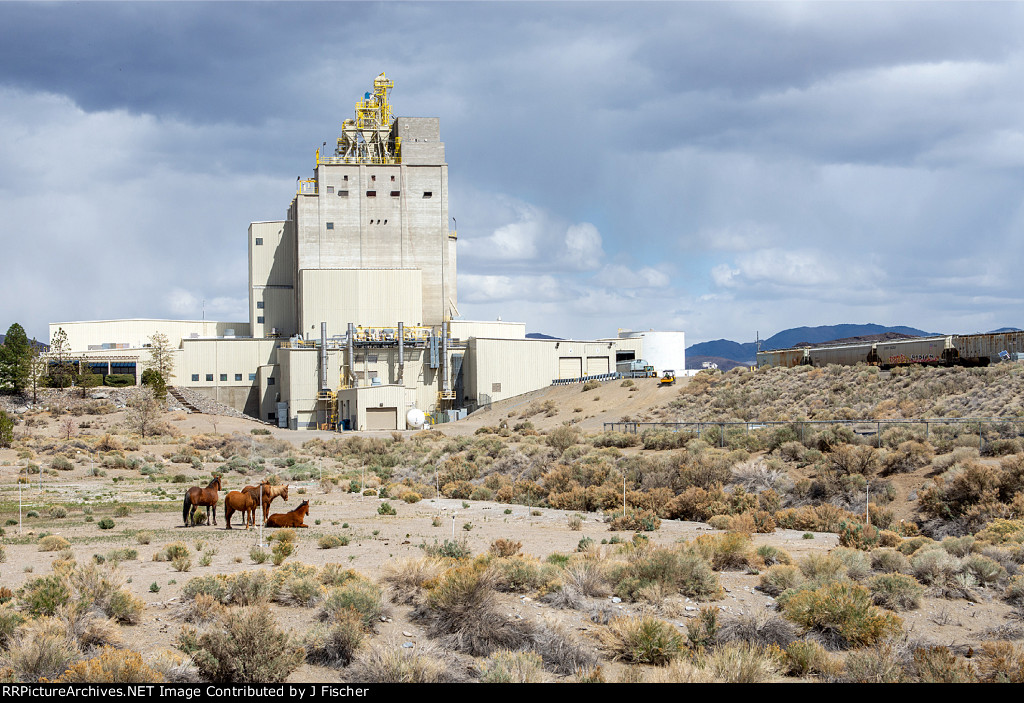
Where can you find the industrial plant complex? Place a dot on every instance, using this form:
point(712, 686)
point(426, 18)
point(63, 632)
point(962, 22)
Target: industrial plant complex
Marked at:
point(353, 315)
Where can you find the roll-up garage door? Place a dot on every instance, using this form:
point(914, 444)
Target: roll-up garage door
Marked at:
point(570, 367)
point(597, 365)
point(382, 418)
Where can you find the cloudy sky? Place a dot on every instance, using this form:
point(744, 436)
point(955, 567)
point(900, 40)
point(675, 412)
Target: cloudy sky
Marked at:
point(722, 169)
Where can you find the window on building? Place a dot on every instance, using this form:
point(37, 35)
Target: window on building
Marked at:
point(373, 178)
point(371, 358)
point(252, 377)
point(395, 193)
point(428, 194)
point(209, 377)
point(343, 193)
point(238, 377)
point(272, 416)
point(345, 178)
point(260, 320)
point(330, 189)
point(195, 377)
point(223, 377)
point(270, 380)
point(330, 225)
point(259, 241)
point(371, 194)
point(259, 304)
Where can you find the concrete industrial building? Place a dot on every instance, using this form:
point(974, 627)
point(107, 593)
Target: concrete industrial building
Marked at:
point(353, 302)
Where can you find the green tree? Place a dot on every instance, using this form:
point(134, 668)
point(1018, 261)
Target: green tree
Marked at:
point(61, 369)
point(153, 379)
point(6, 429)
point(86, 377)
point(14, 359)
point(37, 368)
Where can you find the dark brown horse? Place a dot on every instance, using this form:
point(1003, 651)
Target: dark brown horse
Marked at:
point(269, 493)
point(200, 496)
point(293, 519)
point(244, 501)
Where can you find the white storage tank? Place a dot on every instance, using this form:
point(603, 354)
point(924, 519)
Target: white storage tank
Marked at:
point(662, 350)
point(415, 419)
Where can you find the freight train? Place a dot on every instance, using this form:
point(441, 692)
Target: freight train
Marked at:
point(949, 350)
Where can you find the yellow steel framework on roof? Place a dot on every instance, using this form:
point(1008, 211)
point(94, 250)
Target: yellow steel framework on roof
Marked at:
point(367, 139)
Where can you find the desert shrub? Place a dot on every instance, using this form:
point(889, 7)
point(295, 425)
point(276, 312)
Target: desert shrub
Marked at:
point(588, 578)
point(770, 556)
point(889, 560)
point(125, 608)
point(635, 521)
point(779, 578)
point(679, 570)
point(855, 534)
point(729, 551)
point(53, 543)
point(465, 615)
point(10, 620)
point(406, 578)
point(856, 562)
point(519, 574)
point(1014, 593)
point(57, 512)
point(171, 551)
point(959, 546)
point(1000, 662)
point(386, 508)
point(908, 456)
point(244, 646)
point(41, 649)
point(758, 629)
point(896, 592)
point(451, 549)
point(742, 662)
point(43, 595)
point(617, 439)
point(561, 653)
point(502, 547)
point(645, 640)
point(809, 658)
point(934, 567)
point(112, 666)
point(359, 596)
point(336, 643)
point(105, 524)
point(182, 563)
point(841, 612)
point(281, 551)
point(332, 541)
point(664, 439)
point(874, 665)
point(249, 588)
point(987, 571)
point(940, 665)
point(563, 437)
point(504, 666)
point(388, 664)
point(822, 568)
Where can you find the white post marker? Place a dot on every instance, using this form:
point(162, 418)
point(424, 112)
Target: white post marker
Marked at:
point(19, 507)
point(260, 536)
point(453, 526)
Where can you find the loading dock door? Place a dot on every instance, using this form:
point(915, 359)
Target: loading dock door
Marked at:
point(382, 418)
point(597, 365)
point(570, 367)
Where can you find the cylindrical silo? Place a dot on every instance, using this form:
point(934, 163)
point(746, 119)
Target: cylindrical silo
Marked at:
point(662, 350)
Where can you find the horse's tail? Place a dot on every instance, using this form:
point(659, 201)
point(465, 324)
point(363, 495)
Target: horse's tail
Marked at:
point(184, 510)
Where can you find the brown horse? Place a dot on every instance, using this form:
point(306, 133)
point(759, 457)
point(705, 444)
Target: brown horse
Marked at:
point(200, 496)
point(244, 501)
point(269, 493)
point(293, 519)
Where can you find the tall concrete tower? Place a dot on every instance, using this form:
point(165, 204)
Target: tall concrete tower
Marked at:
point(366, 240)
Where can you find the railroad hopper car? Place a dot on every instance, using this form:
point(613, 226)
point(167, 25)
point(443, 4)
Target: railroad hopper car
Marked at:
point(843, 355)
point(782, 357)
point(984, 349)
point(930, 351)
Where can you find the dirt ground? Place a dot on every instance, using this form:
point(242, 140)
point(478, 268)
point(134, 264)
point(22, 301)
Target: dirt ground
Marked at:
point(376, 540)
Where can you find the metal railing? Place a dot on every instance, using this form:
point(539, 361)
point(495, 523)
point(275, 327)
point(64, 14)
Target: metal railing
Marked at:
point(584, 379)
point(861, 427)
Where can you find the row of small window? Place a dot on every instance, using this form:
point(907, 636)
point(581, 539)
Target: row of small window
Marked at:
point(224, 378)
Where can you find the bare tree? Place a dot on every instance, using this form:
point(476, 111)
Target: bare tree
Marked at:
point(144, 413)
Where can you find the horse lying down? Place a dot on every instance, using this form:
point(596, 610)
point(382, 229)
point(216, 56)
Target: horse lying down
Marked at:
point(293, 519)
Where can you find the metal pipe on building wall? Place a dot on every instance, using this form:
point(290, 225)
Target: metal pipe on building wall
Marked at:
point(323, 357)
point(401, 353)
point(446, 386)
point(351, 354)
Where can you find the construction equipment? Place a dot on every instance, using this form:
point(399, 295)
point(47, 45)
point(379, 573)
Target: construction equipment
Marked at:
point(668, 378)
